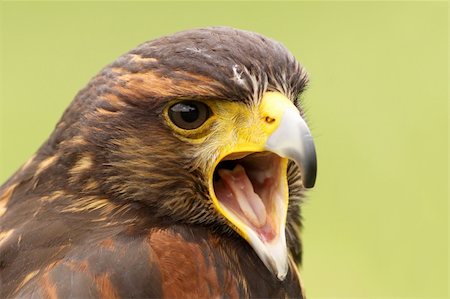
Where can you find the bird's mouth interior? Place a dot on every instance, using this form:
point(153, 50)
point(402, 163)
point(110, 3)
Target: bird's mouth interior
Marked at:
point(251, 188)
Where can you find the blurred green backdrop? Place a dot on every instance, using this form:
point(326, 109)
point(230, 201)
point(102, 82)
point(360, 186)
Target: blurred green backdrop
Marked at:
point(376, 223)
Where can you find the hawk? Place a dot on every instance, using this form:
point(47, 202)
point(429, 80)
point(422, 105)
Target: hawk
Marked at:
point(177, 172)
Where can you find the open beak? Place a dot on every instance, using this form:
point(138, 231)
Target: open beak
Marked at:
point(249, 184)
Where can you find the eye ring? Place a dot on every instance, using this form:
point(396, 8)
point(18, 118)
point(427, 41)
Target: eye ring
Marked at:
point(189, 115)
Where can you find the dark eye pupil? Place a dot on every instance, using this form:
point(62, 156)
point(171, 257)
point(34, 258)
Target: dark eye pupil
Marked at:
point(189, 114)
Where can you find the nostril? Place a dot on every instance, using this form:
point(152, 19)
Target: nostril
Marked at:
point(269, 119)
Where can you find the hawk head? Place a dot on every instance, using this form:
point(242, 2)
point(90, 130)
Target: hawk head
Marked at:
point(203, 127)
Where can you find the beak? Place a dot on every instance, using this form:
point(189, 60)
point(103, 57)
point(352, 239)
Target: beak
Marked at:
point(292, 139)
point(249, 184)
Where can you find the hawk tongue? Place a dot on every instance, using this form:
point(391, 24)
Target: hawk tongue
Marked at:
point(250, 203)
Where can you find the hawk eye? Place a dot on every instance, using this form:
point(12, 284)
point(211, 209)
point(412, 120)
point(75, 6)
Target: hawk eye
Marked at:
point(189, 115)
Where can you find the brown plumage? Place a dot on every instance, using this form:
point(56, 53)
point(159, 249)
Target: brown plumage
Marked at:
point(116, 204)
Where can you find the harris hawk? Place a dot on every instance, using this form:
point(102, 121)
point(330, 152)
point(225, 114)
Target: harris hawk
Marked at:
point(177, 172)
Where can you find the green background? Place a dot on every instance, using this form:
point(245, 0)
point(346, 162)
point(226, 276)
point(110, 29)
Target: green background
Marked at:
point(376, 225)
